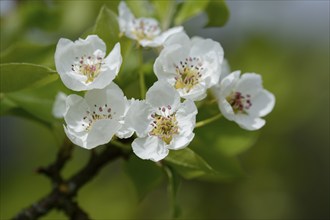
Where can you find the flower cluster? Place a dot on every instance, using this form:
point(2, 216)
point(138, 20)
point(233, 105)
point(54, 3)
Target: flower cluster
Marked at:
point(186, 69)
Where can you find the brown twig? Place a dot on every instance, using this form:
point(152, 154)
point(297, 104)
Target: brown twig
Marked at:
point(64, 191)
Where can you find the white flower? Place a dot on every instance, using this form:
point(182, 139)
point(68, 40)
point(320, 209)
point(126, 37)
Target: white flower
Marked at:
point(190, 66)
point(93, 120)
point(243, 100)
point(161, 122)
point(59, 106)
point(145, 30)
point(82, 64)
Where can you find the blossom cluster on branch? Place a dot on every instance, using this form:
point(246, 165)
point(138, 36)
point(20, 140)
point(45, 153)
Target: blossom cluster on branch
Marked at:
point(186, 69)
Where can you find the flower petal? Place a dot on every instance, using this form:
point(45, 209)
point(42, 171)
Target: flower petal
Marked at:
point(78, 138)
point(262, 103)
point(180, 38)
point(159, 40)
point(162, 94)
point(212, 54)
point(112, 95)
point(227, 85)
point(110, 69)
point(101, 132)
point(59, 107)
point(150, 148)
point(137, 117)
point(226, 109)
point(76, 110)
point(249, 83)
point(164, 66)
point(180, 141)
point(125, 16)
point(248, 122)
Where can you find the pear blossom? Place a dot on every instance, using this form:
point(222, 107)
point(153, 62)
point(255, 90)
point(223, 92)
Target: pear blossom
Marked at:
point(145, 30)
point(93, 120)
point(82, 64)
point(243, 100)
point(191, 66)
point(59, 106)
point(161, 122)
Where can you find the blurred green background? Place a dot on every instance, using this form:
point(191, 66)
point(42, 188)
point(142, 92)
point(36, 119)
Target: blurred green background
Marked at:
point(286, 172)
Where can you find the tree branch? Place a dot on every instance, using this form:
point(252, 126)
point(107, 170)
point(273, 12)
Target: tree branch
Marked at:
point(64, 191)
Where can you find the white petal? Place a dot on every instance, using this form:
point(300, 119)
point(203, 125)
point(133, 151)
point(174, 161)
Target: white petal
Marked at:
point(249, 123)
point(228, 84)
point(197, 93)
point(262, 103)
point(138, 119)
point(125, 132)
point(249, 83)
point(180, 141)
point(111, 68)
point(78, 138)
point(226, 109)
point(180, 38)
point(187, 111)
point(159, 40)
point(162, 94)
point(150, 148)
point(186, 118)
point(126, 129)
point(76, 111)
point(212, 54)
point(164, 66)
point(112, 95)
point(101, 132)
point(59, 107)
point(125, 16)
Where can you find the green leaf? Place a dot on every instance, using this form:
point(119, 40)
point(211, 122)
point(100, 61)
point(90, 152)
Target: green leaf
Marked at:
point(164, 12)
point(6, 104)
point(218, 13)
point(37, 102)
point(190, 9)
point(174, 182)
point(107, 28)
point(29, 53)
point(145, 175)
point(226, 137)
point(17, 76)
point(188, 164)
point(140, 8)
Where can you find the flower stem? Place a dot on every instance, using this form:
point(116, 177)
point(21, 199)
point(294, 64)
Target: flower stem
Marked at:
point(208, 121)
point(141, 76)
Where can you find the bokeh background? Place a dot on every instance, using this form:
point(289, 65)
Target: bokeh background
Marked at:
point(286, 170)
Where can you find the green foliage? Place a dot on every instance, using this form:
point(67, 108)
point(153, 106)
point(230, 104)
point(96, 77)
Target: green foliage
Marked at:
point(216, 11)
point(174, 182)
point(26, 52)
point(188, 164)
point(17, 76)
point(107, 28)
point(145, 175)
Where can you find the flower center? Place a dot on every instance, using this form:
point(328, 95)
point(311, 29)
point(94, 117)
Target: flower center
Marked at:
point(99, 113)
point(189, 73)
point(89, 66)
point(239, 103)
point(145, 29)
point(164, 125)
